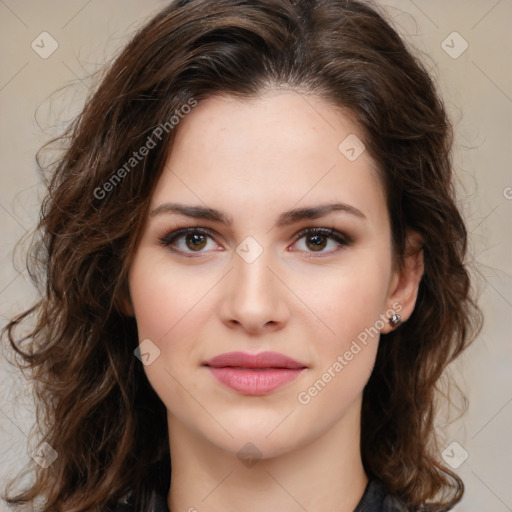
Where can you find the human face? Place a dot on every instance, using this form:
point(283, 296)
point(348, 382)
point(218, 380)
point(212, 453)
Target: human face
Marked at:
point(258, 285)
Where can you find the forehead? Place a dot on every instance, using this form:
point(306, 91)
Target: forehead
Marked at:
point(280, 148)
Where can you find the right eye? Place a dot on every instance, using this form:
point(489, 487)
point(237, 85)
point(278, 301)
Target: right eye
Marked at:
point(187, 241)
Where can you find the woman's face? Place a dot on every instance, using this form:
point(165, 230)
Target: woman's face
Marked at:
point(252, 182)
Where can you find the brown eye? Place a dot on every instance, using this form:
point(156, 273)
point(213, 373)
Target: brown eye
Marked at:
point(316, 242)
point(195, 241)
point(322, 241)
point(189, 241)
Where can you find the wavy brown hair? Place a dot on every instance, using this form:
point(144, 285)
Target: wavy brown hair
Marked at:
point(95, 405)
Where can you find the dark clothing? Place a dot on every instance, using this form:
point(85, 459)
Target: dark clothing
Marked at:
point(374, 499)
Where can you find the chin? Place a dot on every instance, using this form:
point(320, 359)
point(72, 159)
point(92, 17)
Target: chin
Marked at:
point(270, 436)
point(258, 446)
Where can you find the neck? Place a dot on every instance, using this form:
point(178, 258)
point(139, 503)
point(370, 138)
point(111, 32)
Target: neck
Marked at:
point(323, 474)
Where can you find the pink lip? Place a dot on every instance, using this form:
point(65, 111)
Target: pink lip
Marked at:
point(254, 374)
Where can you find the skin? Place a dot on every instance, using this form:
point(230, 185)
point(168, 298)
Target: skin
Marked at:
point(254, 160)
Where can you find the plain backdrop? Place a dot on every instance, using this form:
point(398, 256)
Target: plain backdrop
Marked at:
point(467, 45)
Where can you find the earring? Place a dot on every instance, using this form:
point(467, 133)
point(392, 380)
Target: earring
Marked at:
point(395, 320)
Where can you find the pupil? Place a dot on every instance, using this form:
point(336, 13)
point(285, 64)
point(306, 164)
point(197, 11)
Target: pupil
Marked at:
point(195, 241)
point(319, 243)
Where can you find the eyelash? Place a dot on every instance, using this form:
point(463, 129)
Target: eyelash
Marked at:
point(343, 240)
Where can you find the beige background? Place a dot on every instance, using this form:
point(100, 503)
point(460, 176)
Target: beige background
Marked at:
point(477, 87)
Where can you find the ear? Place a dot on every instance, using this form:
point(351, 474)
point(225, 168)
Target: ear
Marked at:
point(405, 281)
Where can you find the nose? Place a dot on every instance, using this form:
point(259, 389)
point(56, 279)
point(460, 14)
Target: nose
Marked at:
point(254, 299)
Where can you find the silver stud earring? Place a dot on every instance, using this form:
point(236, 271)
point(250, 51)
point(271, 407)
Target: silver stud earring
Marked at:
point(395, 320)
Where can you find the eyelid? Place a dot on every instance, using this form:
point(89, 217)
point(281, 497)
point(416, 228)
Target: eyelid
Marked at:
point(342, 239)
point(167, 239)
point(170, 236)
point(333, 233)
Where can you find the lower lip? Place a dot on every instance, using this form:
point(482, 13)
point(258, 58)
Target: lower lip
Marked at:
point(255, 382)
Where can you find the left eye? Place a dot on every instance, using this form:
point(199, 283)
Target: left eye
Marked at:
point(188, 241)
point(317, 239)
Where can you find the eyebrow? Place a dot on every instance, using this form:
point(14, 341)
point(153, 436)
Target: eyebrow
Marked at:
point(285, 219)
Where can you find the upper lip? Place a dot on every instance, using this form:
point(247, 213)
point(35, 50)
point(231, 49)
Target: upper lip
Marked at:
point(253, 361)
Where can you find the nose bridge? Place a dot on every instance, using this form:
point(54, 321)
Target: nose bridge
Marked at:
point(255, 297)
point(254, 277)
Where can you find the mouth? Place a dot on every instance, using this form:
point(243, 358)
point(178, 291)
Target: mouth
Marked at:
point(254, 374)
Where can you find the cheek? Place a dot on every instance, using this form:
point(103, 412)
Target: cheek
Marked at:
point(172, 307)
point(163, 299)
point(169, 310)
point(348, 304)
point(349, 300)
point(349, 309)
point(162, 308)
